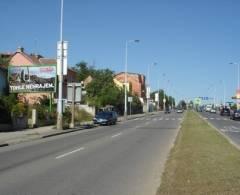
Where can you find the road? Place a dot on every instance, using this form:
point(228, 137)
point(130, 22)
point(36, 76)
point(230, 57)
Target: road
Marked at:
point(230, 128)
point(127, 158)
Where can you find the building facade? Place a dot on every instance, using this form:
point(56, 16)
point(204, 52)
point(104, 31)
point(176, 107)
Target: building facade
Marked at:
point(136, 83)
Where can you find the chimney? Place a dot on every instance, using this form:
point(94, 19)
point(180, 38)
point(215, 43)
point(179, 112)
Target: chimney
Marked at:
point(20, 49)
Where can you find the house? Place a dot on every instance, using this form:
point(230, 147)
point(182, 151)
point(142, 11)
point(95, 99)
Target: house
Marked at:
point(21, 58)
point(136, 83)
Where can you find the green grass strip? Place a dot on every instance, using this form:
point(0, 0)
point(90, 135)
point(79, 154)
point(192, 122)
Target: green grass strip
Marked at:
point(202, 162)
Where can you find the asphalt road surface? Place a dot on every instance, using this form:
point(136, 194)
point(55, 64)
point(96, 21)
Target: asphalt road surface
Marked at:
point(124, 159)
point(230, 128)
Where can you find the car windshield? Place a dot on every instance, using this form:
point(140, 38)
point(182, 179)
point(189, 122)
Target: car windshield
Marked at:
point(104, 114)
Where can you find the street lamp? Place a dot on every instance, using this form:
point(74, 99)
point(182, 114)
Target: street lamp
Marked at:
point(148, 83)
point(164, 93)
point(224, 92)
point(125, 79)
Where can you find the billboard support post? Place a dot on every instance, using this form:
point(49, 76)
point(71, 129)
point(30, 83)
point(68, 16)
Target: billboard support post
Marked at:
point(72, 124)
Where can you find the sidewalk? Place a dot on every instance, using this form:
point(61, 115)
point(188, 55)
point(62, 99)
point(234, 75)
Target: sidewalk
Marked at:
point(15, 137)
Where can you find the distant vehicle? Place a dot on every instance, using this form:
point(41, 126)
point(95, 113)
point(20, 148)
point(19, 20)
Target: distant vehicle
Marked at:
point(213, 110)
point(208, 108)
point(179, 110)
point(225, 111)
point(167, 110)
point(235, 115)
point(105, 118)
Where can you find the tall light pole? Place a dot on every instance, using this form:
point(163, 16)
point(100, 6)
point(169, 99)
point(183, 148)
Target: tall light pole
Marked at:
point(224, 92)
point(238, 88)
point(148, 83)
point(164, 93)
point(60, 77)
point(125, 76)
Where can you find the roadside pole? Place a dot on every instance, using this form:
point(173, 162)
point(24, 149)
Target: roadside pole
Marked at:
point(72, 124)
point(60, 75)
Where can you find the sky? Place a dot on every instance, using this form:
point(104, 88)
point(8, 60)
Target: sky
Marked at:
point(191, 41)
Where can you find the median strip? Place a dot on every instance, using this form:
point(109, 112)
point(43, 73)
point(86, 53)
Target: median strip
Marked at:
point(202, 161)
point(68, 153)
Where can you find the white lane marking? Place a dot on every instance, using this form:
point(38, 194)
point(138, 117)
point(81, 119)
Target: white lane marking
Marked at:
point(160, 119)
point(68, 153)
point(225, 119)
point(212, 118)
point(235, 127)
point(166, 119)
point(116, 135)
point(173, 119)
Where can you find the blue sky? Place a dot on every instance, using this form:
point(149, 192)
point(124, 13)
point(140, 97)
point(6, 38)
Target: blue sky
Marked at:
point(192, 41)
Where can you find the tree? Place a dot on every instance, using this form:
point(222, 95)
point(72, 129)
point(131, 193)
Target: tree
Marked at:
point(83, 70)
point(182, 104)
point(102, 91)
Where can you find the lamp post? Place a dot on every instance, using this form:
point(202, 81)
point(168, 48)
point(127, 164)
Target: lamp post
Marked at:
point(125, 76)
point(224, 92)
point(238, 89)
point(148, 83)
point(164, 93)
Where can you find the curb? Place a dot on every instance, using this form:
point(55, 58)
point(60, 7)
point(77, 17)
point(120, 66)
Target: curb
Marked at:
point(3, 145)
point(54, 134)
point(61, 133)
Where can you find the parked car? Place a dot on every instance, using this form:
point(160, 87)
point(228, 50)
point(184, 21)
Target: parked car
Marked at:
point(235, 115)
point(105, 118)
point(179, 110)
point(208, 108)
point(213, 110)
point(167, 110)
point(225, 112)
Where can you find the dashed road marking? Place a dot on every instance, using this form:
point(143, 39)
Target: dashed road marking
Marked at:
point(116, 135)
point(68, 153)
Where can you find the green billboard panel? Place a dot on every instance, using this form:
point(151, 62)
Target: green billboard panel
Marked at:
point(30, 79)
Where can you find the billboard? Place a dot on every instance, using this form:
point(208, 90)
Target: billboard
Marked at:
point(29, 79)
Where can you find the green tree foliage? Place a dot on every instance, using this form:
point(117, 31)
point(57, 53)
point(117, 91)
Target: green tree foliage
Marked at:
point(7, 104)
point(102, 91)
point(182, 104)
point(4, 61)
point(169, 99)
point(83, 70)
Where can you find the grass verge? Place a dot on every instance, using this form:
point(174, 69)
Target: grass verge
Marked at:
point(201, 162)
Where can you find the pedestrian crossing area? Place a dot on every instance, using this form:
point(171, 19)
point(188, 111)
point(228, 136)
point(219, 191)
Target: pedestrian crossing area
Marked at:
point(159, 119)
point(216, 118)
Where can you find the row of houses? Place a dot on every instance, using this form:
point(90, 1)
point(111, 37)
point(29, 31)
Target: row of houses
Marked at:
point(20, 58)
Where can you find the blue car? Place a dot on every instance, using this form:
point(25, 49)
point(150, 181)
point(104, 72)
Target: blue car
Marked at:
point(105, 118)
point(235, 115)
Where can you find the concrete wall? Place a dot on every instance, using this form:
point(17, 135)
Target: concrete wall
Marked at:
point(90, 109)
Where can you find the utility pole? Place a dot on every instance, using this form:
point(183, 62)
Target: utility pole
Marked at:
point(125, 76)
point(60, 77)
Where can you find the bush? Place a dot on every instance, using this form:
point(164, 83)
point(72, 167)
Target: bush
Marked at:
point(19, 110)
